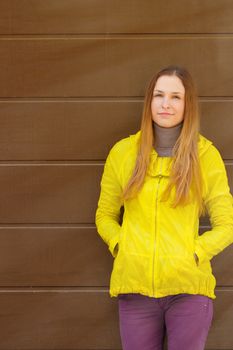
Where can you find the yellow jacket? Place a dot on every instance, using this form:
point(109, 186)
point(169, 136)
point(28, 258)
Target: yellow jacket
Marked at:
point(156, 243)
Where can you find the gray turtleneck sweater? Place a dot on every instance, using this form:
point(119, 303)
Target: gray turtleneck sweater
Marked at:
point(165, 138)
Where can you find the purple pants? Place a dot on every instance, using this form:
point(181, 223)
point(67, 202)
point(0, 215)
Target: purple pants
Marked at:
point(184, 318)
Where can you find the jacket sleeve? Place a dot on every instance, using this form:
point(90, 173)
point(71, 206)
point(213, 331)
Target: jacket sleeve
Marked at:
point(109, 204)
point(218, 201)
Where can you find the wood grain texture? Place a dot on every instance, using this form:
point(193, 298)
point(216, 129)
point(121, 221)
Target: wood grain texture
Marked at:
point(101, 16)
point(53, 256)
point(73, 77)
point(83, 319)
point(49, 193)
point(69, 256)
point(86, 130)
point(63, 319)
point(52, 193)
point(71, 67)
point(216, 124)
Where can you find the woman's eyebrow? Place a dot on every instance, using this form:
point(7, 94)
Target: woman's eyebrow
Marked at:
point(180, 93)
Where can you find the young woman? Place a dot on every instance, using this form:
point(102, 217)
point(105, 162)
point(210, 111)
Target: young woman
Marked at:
point(165, 176)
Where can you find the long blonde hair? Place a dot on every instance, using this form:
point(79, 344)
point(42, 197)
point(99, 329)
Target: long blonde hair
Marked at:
point(185, 170)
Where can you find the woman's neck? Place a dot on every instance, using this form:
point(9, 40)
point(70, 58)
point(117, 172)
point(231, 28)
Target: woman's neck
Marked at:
point(165, 138)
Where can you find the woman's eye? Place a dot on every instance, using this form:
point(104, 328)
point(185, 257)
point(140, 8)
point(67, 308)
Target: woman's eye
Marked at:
point(157, 95)
point(176, 97)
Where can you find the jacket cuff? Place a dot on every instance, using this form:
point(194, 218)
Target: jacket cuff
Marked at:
point(112, 245)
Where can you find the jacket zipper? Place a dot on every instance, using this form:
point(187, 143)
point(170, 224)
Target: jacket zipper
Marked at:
point(156, 211)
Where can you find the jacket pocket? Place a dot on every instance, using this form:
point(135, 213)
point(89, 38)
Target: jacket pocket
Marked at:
point(116, 249)
point(118, 245)
point(196, 260)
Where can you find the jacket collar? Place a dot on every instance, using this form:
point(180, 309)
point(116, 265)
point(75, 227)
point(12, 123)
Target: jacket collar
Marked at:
point(154, 168)
point(203, 143)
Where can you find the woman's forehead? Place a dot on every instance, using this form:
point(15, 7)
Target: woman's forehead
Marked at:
point(171, 84)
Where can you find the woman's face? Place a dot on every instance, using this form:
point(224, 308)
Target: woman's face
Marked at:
point(168, 101)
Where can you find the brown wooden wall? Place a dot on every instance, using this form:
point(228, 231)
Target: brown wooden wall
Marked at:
point(73, 76)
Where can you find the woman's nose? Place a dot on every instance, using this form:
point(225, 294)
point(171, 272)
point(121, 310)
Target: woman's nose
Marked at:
point(165, 102)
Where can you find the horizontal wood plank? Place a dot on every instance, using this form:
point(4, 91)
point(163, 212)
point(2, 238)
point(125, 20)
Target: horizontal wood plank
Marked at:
point(71, 67)
point(60, 256)
point(58, 130)
point(83, 320)
point(100, 16)
point(53, 193)
point(69, 256)
point(58, 320)
point(216, 124)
